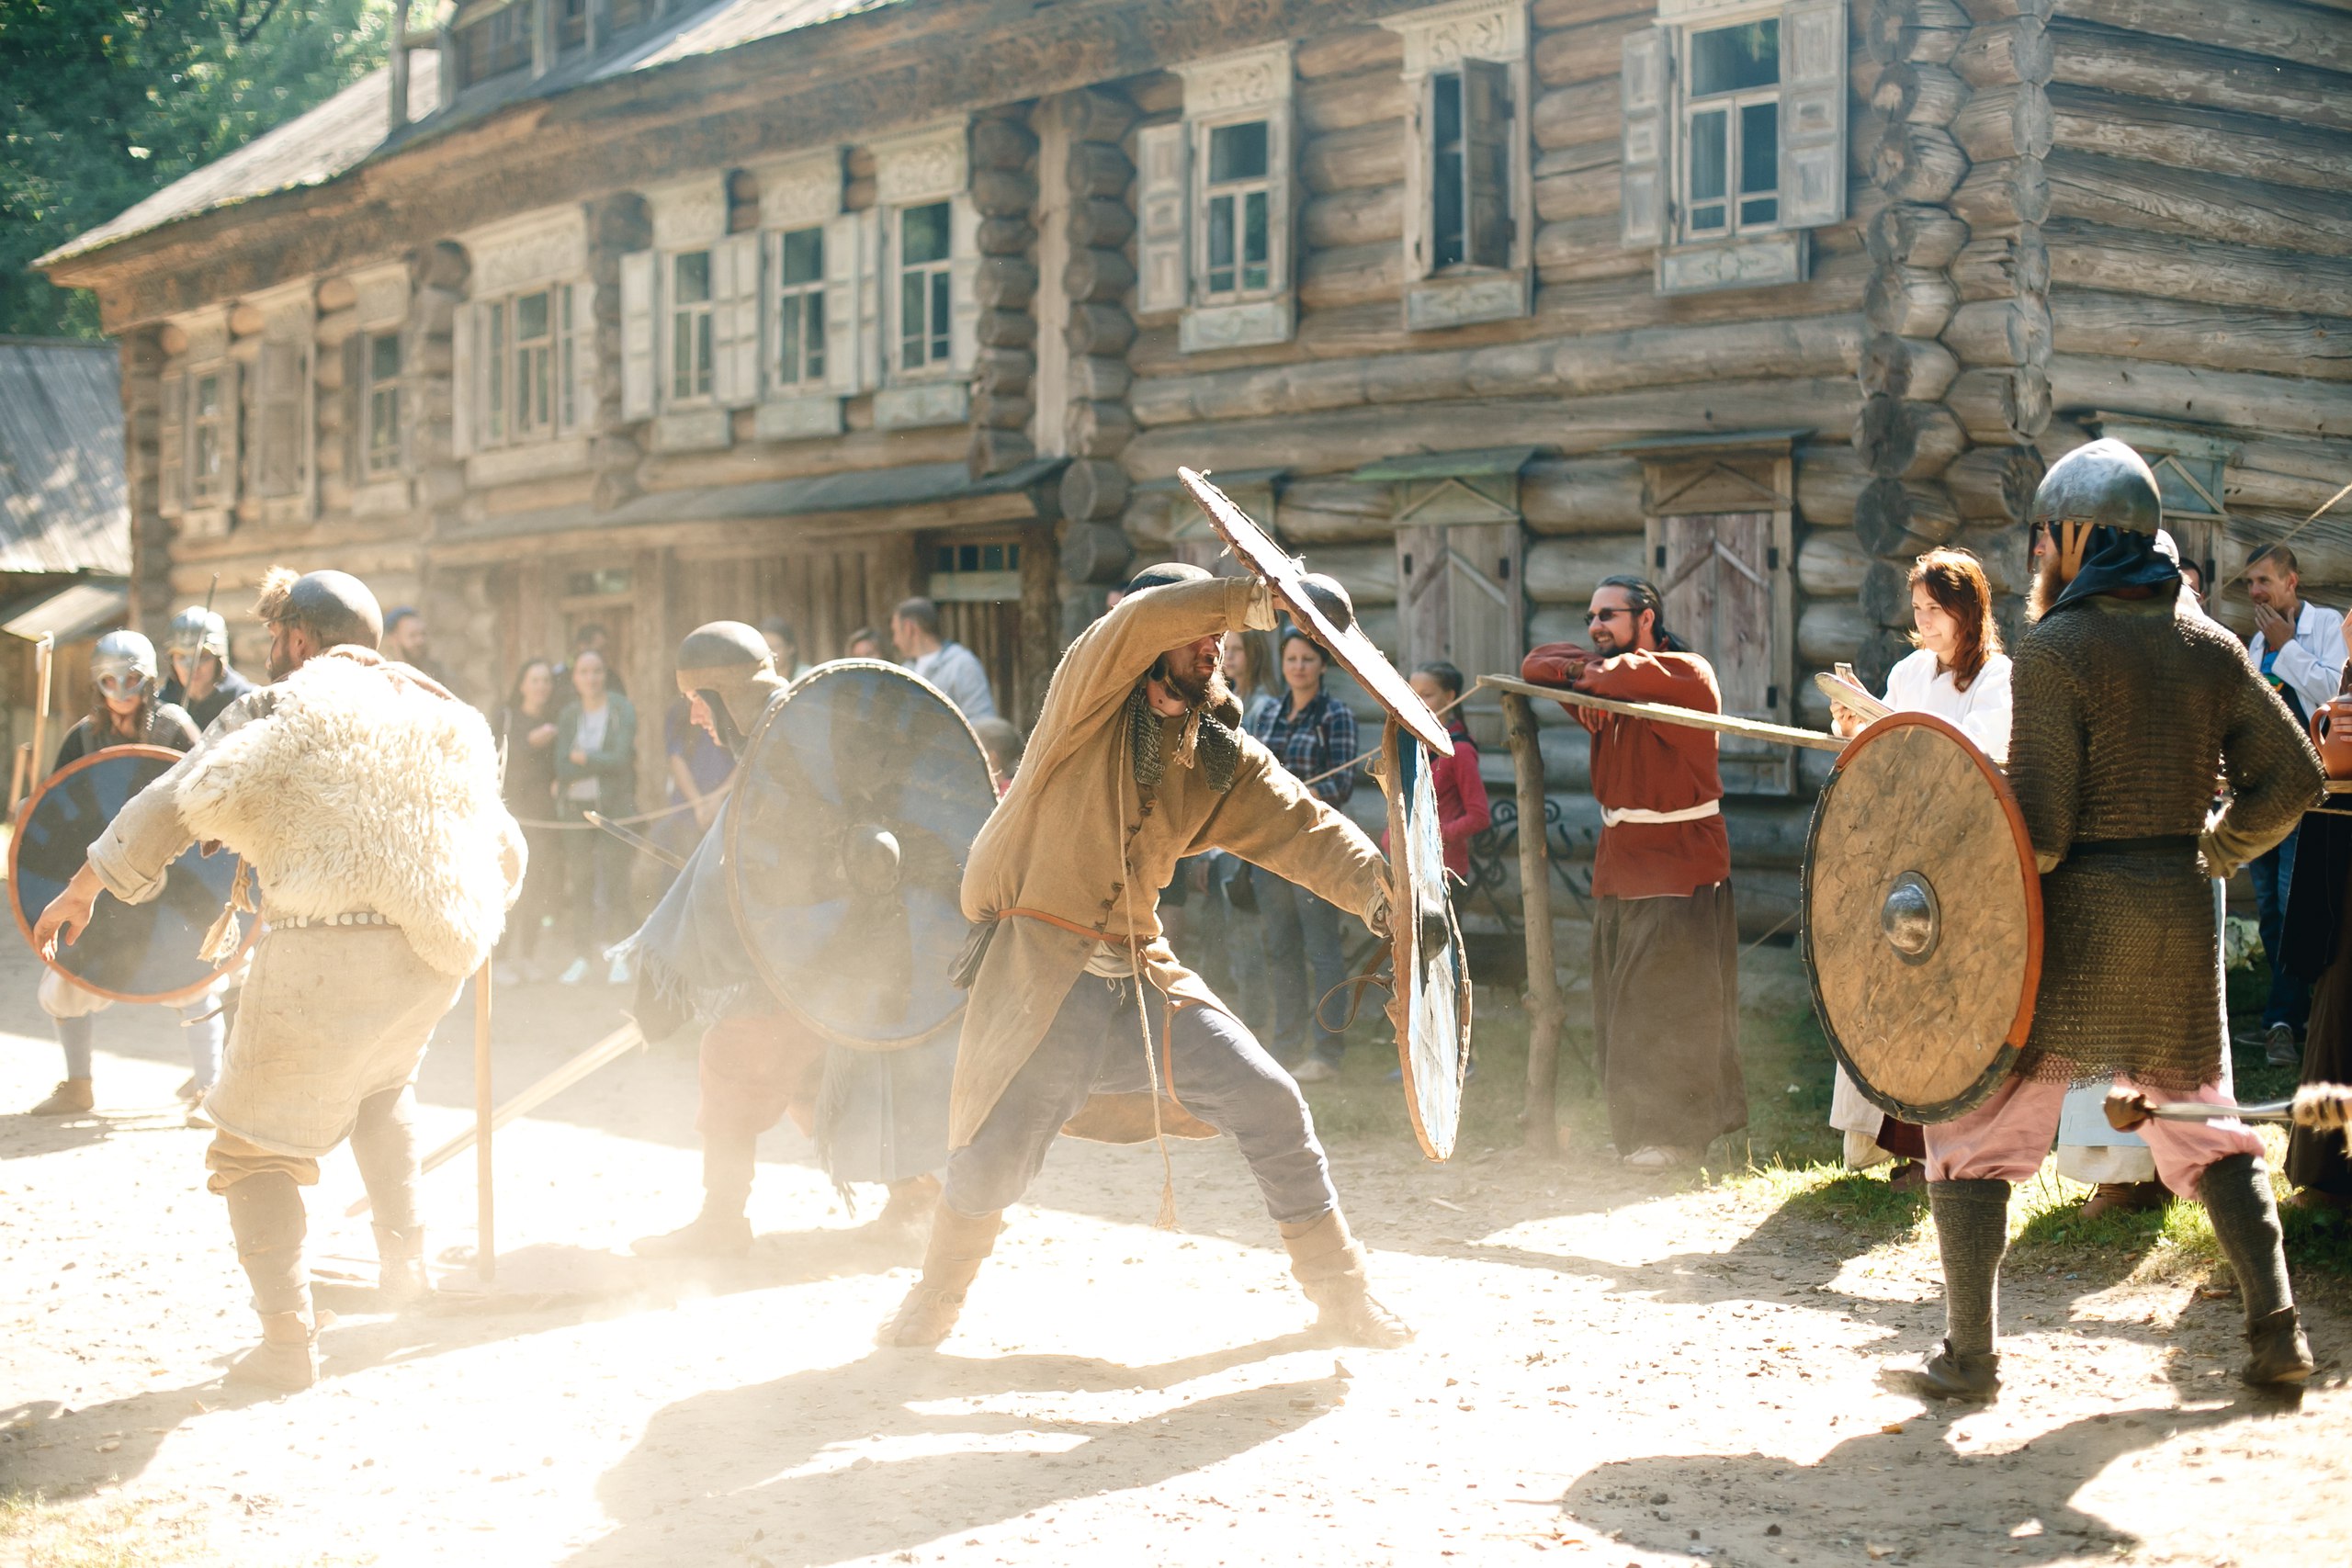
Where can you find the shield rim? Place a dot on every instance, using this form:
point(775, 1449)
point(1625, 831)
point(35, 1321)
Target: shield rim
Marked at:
point(1355, 652)
point(16, 904)
point(955, 1019)
point(1403, 938)
point(2022, 1025)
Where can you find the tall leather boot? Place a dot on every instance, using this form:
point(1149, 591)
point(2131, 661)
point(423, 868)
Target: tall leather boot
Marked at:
point(1329, 1264)
point(383, 1144)
point(959, 1244)
point(1973, 1234)
point(266, 1216)
point(722, 1229)
point(2236, 1194)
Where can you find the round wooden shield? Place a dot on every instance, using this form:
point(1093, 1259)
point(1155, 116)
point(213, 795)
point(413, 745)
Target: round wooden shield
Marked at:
point(130, 953)
point(853, 812)
point(1430, 1005)
point(1922, 918)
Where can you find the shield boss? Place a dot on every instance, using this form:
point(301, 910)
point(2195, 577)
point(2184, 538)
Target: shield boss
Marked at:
point(1430, 1005)
point(1922, 918)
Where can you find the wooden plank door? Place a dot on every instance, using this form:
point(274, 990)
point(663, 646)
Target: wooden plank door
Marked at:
point(1459, 599)
point(1717, 575)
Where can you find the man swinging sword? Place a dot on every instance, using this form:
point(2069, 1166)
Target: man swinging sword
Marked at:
point(1137, 761)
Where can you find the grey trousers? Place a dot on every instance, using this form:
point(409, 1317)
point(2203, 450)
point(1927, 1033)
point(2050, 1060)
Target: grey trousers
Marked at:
point(1223, 1075)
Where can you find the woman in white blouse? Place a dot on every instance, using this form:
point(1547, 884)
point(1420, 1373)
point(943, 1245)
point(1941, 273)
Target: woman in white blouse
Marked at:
point(1957, 672)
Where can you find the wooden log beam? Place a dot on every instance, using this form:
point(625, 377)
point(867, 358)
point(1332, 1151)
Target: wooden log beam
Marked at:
point(1919, 163)
point(2273, 28)
point(1359, 217)
point(2185, 136)
point(1998, 404)
point(1900, 518)
point(1343, 103)
point(1721, 724)
point(1590, 52)
point(1996, 198)
point(1570, 117)
point(1909, 234)
point(1831, 563)
point(2005, 122)
point(1545, 1012)
point(1370, 155)
point(2003, 52)
point(1918, 94)
point(1582, 495)
point(2001, 331)
point(2166, 266)
point(2278, 403)
point(1995, 484)
point(2002, 266)
point(2128, 193)
point(1567, 570)
point(2173, 70)
point(2213, 337)
point(1918, 31)
point(1909, 301)
point(1907, 367)
point(1899, 439)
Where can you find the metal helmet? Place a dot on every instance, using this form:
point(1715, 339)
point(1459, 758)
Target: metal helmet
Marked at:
point(2105, 482)
point(121, 654)
point(730, 659)
point(198, 630)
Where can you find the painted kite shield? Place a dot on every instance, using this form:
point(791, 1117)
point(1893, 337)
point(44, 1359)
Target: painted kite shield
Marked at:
point(855, 810)
point(1286, 575)
point(1922, 918)
point(1430, 1004)
point(130, 953)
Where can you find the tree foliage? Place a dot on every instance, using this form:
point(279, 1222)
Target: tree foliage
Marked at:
point(105, 102)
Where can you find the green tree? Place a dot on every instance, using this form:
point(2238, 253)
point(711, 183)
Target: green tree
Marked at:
point(105, 102)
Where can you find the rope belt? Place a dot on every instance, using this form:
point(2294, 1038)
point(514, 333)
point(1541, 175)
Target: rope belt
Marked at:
point(1612, 814)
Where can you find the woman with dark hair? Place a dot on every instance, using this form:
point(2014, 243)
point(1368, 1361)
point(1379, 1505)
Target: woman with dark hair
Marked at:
point(595, 770)
point(1957, 672)
point(524, 726)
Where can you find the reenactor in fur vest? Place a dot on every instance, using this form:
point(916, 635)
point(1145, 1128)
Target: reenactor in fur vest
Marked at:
point(366, 799)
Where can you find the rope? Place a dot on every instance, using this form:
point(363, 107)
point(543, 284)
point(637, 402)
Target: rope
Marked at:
point(617, 821)
point(1358, 762)
point(2282, 538)
point(1167, 1217)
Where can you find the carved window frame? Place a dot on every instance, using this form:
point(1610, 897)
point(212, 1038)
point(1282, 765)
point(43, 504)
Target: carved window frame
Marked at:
point(1438, 42)
point(1231, 90)
point(544, 253)
point(797, 194)
point(925, 168)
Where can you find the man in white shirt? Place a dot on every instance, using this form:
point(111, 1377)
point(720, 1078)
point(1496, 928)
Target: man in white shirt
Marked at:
point(2299, 647)
point(950, 666)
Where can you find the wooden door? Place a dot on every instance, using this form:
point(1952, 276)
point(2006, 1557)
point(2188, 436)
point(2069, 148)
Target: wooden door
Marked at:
point(1718, 576)
point(1459, 600)
point(975, 579)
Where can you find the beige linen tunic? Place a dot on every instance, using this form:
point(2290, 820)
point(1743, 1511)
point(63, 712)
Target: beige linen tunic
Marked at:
point(329, 1014)
point(1054, 843)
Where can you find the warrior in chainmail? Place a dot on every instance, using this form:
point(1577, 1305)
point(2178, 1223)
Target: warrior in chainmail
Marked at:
point(2128, 708)
point(1082, 1017)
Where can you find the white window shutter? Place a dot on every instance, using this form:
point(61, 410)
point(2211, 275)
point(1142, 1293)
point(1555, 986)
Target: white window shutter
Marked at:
point(1488, 142)
point(1162, 207)
point(1642, 174)
point(964, 263)
point(1280, 183)
point(735, 264)
point(232, 431)
point(465, 367)
point(871, 284)
point(1813, 113)
point(1420, 164)
point(580, 327)
point(278, 411)
point(844, 266)
point(637, 335)
point(171, 445)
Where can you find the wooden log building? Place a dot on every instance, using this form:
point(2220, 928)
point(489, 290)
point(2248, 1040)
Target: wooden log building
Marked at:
point(643, 312)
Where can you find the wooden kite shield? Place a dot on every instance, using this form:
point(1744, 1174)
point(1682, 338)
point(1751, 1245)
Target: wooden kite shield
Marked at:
point(130, 953)
point(853, 815)
point(1431, 1003)
point(1922, 918)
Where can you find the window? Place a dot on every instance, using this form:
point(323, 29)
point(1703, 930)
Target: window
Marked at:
point(800, 307)
point(1472, 218)
point(572, 25)
point(1237, 256)
point(525, 359)
point(1732, 130)
point(211, 468)
point(382, 368)
point(1469, 197)
point(690, 345)
point(924, 287)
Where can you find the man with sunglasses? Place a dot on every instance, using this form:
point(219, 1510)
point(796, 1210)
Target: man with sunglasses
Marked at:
point(1665, 938)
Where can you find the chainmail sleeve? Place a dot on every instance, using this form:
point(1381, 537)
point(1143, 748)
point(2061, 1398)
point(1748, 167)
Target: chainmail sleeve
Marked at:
point(2273, 774)
point(2046, 741)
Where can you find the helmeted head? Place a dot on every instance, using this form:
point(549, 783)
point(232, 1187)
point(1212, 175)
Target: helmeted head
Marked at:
point(307, 615)
point(198, 630)
point(123, 665)
point(2103, 484)
point(728, 663)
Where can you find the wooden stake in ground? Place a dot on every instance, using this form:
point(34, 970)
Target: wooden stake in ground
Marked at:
point(1545, 1009)
point(485, 1115)
point(44, 664)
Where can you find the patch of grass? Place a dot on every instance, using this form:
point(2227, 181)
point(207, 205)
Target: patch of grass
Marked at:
point(1860, 1202)
point(43, 1534)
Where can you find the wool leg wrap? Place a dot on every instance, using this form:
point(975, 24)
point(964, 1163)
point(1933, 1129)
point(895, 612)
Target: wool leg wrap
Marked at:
point(1973, 1234)
point(728, 1156)
point(1324, 1255)
point(960, 1243)
point(383, 1144)
point(266, 1216)
point(2236, 1194)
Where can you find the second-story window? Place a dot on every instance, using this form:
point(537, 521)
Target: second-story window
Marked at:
point(534, 363)
point(212, 464)
point(690, 345)
point(1236, 220)
point(383, 428)
point(800, 307)
point(924, 304)
point(1732, 129)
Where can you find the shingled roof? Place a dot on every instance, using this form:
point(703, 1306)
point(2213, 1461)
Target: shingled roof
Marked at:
point(63, 499)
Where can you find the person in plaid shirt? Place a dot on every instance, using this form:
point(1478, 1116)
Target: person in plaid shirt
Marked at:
point(1310, 732)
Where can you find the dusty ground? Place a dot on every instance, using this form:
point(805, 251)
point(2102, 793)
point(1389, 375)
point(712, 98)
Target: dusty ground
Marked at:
point(1608, 1371)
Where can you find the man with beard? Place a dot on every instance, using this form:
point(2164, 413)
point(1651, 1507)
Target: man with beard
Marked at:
point(875, 1116)
point(1082, 1017)
point(365, 798)
point(1665, 937)
point(2127, 710)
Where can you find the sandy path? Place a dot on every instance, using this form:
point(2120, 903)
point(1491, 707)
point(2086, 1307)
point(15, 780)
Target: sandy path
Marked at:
point(1605, 1374)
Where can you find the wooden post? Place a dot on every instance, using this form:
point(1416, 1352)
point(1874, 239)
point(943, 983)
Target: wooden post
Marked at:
point(44, 672)
point(1545, 1010)
point(485, 1112)
point(17, 775)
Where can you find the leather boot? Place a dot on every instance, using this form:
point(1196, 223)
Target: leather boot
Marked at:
point(402, 1278)
point(721, 1230)
point(1972, 1236)
point(2235, 1190)
point(71, 1097)
point(266, 1216)
point(906, 1217)
point(1948, 1374)
point(1329, 1265)
point(959, 1245)
point(2280, 1357)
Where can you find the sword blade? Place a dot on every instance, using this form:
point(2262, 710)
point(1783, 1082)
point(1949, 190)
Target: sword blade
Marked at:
point(638, 842)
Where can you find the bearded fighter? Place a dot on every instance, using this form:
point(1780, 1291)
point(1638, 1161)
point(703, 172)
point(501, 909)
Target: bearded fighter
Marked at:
point(2128, 707)
point(366, 798)
point(1137, 761)
point(876, 1116)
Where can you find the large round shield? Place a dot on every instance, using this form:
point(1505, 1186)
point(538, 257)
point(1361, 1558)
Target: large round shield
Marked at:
point(130, 953)
point(1922, 918)
point(1430, 1005)
point(859, 797)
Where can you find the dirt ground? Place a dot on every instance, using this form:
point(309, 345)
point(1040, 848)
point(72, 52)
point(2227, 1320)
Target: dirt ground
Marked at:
point(1610, 1370)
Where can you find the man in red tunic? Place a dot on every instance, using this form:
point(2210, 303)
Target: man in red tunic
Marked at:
point(1665, 942)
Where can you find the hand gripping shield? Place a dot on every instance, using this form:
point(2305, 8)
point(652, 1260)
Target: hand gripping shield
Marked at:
point(1431, 1003)
point(1922, 918)
point(1322, 612)
point(130, 952)
point(859, 796)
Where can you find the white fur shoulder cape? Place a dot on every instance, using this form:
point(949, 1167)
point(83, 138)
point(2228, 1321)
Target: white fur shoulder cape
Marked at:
point(357, 788)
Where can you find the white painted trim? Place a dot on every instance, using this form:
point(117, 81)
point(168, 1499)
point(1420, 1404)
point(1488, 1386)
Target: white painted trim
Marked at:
point(549, 246)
